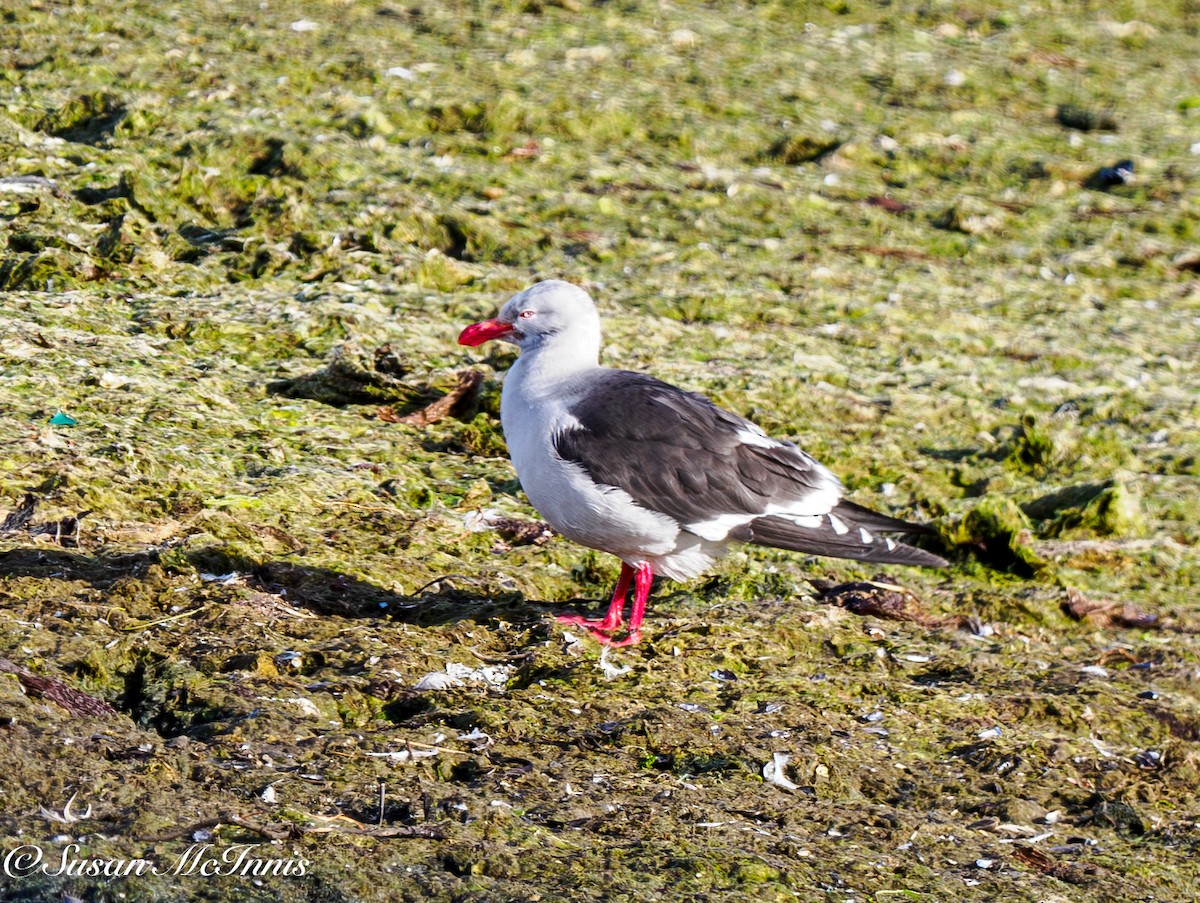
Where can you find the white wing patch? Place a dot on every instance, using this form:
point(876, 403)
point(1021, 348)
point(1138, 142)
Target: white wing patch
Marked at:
point(811, 521)
point(804, 512)
point(717, 528)
point(752, 434)
point(867, 538)
point(815, 503)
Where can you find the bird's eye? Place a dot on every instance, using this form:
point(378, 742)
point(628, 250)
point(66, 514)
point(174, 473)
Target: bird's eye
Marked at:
point(526, 314)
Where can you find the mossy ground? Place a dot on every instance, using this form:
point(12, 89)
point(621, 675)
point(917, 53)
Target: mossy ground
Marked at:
point(864, 225)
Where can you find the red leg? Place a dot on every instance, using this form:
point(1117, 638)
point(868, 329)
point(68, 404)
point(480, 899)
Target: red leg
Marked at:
point(641, 593)
point(616, 608)
point(601, 630)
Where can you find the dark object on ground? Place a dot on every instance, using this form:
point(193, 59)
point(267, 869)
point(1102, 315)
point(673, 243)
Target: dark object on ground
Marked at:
point(65, 530)
point(1074, 117)
point(461, 397)
point(74, 701)
point(875, 598)
point(1106, 177)
point(1106, 614)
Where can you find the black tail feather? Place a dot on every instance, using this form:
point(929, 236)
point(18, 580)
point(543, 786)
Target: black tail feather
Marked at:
point(848, 542)
point(873, 520)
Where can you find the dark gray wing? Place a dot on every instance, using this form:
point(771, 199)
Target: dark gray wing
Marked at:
point(717, 474)
point(677, 453)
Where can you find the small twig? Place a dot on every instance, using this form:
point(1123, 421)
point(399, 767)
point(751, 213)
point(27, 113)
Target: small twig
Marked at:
point(437, 580)
point(272, 833)
point(413, 756)
point(463, 394)
point(142, 625)
point(329, 819)
point(1119, 654)
point(888, 586)
point(457, 752)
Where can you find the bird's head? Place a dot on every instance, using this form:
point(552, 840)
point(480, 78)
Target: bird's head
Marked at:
point(551, 310)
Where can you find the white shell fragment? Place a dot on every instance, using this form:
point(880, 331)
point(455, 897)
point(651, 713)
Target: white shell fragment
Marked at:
point(773, 772)
point(437, 680)
point(610, 670)
point(405, 755)
point(456, 674)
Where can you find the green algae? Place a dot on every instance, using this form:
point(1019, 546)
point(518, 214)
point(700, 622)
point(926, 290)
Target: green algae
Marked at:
point(1111, 508)
point(232, 205)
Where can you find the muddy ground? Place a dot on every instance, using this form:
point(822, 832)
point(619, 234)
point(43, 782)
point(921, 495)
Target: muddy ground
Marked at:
point(276, 622)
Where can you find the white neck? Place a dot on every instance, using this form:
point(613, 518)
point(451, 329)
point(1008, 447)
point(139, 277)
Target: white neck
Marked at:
point(544, 365)
point(538, 392)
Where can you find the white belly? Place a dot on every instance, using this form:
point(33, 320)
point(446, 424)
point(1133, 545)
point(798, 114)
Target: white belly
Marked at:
point(600, 517)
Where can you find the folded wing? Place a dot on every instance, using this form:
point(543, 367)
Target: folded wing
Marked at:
point(718, 475)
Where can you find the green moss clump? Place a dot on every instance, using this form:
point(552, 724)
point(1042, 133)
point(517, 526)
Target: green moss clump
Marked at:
point(86, 119)
point(41, 271)
point(794, 150)
point(481, 436)
point(1109, 508)
point(1000, 534)
point(1036, 447)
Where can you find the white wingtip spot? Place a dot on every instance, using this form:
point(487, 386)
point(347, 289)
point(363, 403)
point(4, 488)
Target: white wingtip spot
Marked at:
point(866, 537)
point(839, 525)
point(890, 543)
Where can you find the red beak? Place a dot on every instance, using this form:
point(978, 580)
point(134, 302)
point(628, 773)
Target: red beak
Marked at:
point(478, 333)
